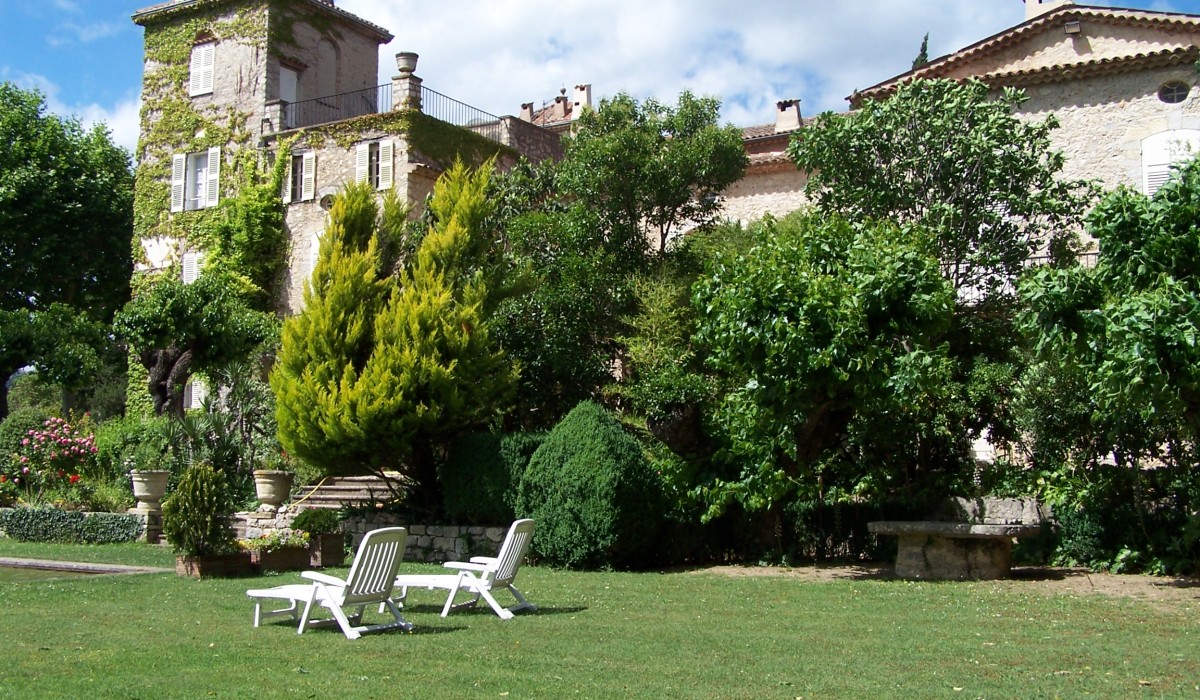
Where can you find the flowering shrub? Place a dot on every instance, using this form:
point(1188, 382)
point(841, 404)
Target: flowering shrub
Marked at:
point(48, 460)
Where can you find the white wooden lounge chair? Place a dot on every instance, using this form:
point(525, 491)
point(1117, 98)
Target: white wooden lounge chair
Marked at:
point(480, 576)
point(371, 581)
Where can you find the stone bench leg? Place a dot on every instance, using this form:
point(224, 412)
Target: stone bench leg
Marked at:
point(955, 558)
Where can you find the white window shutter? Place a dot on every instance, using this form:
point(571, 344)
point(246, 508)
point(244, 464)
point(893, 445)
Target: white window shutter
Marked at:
point(213, 189)
point(200, 81)
point(308, 180)
point(287, 182)
point(191, 266)
point(178, 180)
point(386, 150)
point(1162, 150)
point(361, 159)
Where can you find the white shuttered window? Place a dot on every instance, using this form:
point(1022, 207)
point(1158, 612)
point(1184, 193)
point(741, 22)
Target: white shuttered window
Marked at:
point(200, 82)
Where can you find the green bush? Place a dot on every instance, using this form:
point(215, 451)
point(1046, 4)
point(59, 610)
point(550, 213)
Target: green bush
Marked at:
point(481, 474)
point(596, 501)
point(317, 521)
point(54, 525)
point(15, 427)
point(131, 442)
point(196, 517)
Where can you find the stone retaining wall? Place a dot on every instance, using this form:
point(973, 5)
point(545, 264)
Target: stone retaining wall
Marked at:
point(426, 543)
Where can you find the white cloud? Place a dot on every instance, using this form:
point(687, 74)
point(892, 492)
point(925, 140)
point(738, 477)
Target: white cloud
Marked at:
point(500, 53)
point(122, 119)
point(70, 32)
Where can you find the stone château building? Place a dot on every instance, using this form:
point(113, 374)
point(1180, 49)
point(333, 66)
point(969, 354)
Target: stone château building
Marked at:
point(231, 84)
point(1122, 84)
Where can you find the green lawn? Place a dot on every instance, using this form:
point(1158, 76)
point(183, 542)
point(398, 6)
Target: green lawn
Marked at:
point(597, 635)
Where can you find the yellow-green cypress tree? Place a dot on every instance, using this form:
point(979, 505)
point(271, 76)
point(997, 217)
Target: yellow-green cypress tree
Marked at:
point(388, 369)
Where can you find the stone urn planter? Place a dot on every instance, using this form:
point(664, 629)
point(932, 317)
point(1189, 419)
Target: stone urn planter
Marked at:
point(273, 487)
point(214, 565)
point(149, 487)
point(406, 62)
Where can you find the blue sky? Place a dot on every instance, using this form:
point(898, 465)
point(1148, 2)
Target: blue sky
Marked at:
point(85, 55)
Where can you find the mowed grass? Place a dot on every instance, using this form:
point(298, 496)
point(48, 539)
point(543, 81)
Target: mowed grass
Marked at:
point(597, 635)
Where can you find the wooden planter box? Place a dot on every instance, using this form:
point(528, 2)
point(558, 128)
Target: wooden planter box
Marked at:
point(327, 550)
point(284, 559)
point(214, 565)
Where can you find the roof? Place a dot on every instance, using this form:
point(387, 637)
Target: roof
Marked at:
point(161, 11)
point(1184, 25)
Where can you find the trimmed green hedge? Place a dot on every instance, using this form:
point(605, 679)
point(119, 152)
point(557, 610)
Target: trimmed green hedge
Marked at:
point(72, 526)
point(595, 498)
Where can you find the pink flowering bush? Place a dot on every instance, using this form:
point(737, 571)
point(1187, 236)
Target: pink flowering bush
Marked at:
point(48, 461)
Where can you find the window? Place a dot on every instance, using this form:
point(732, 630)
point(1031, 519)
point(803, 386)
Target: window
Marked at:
point(301, 182)
point(1163, 150)
point(1173, 92)
point(195, 180)
point(373, 163)
point(201, 79)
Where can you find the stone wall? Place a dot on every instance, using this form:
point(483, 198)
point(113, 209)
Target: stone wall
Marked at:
point(426, 543)
point(1103, 120)
point(776, 190)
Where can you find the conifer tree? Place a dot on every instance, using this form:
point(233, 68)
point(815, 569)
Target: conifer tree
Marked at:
point(378, 371)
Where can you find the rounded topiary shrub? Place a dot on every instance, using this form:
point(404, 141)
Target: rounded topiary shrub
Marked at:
point(595, 498)
point(481, 474)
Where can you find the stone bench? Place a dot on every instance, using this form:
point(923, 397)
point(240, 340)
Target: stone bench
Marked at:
point(969, 539)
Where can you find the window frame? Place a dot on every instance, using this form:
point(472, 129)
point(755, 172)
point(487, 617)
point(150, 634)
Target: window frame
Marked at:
point(201, 74)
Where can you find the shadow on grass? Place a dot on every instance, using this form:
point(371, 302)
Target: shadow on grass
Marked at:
point(483, 609)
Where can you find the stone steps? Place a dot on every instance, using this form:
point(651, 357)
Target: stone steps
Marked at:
point(336, 492)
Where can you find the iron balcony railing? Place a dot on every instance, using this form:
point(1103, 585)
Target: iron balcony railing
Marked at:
point(333, 108)
point(451, 111)
point(323, 110)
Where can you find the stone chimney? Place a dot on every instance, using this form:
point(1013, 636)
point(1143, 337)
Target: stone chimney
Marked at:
point(1037, 8)
point(527, 111)
point(787, 116)
point(583, 100)
point(560, 107)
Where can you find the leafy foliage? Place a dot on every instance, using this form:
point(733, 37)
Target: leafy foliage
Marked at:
point(1121, 339)
point(65, 212)
point(592, 493)
point(833, 334)
point(316, 521)
point(197, 514)
point(646, 169)
point(945, 155)
point(178, 329)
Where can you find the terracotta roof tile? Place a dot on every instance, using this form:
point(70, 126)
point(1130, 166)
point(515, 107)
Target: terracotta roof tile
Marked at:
point(1169, 21)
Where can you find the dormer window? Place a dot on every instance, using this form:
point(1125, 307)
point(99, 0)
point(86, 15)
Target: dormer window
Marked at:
point(200, 81)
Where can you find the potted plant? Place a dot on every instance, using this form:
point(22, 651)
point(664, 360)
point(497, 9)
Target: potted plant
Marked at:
point(197, 522)
point(281, 550)
point(327, 546)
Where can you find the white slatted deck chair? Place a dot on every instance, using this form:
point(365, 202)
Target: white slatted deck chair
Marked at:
point(370, 582)
point(481, 576)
